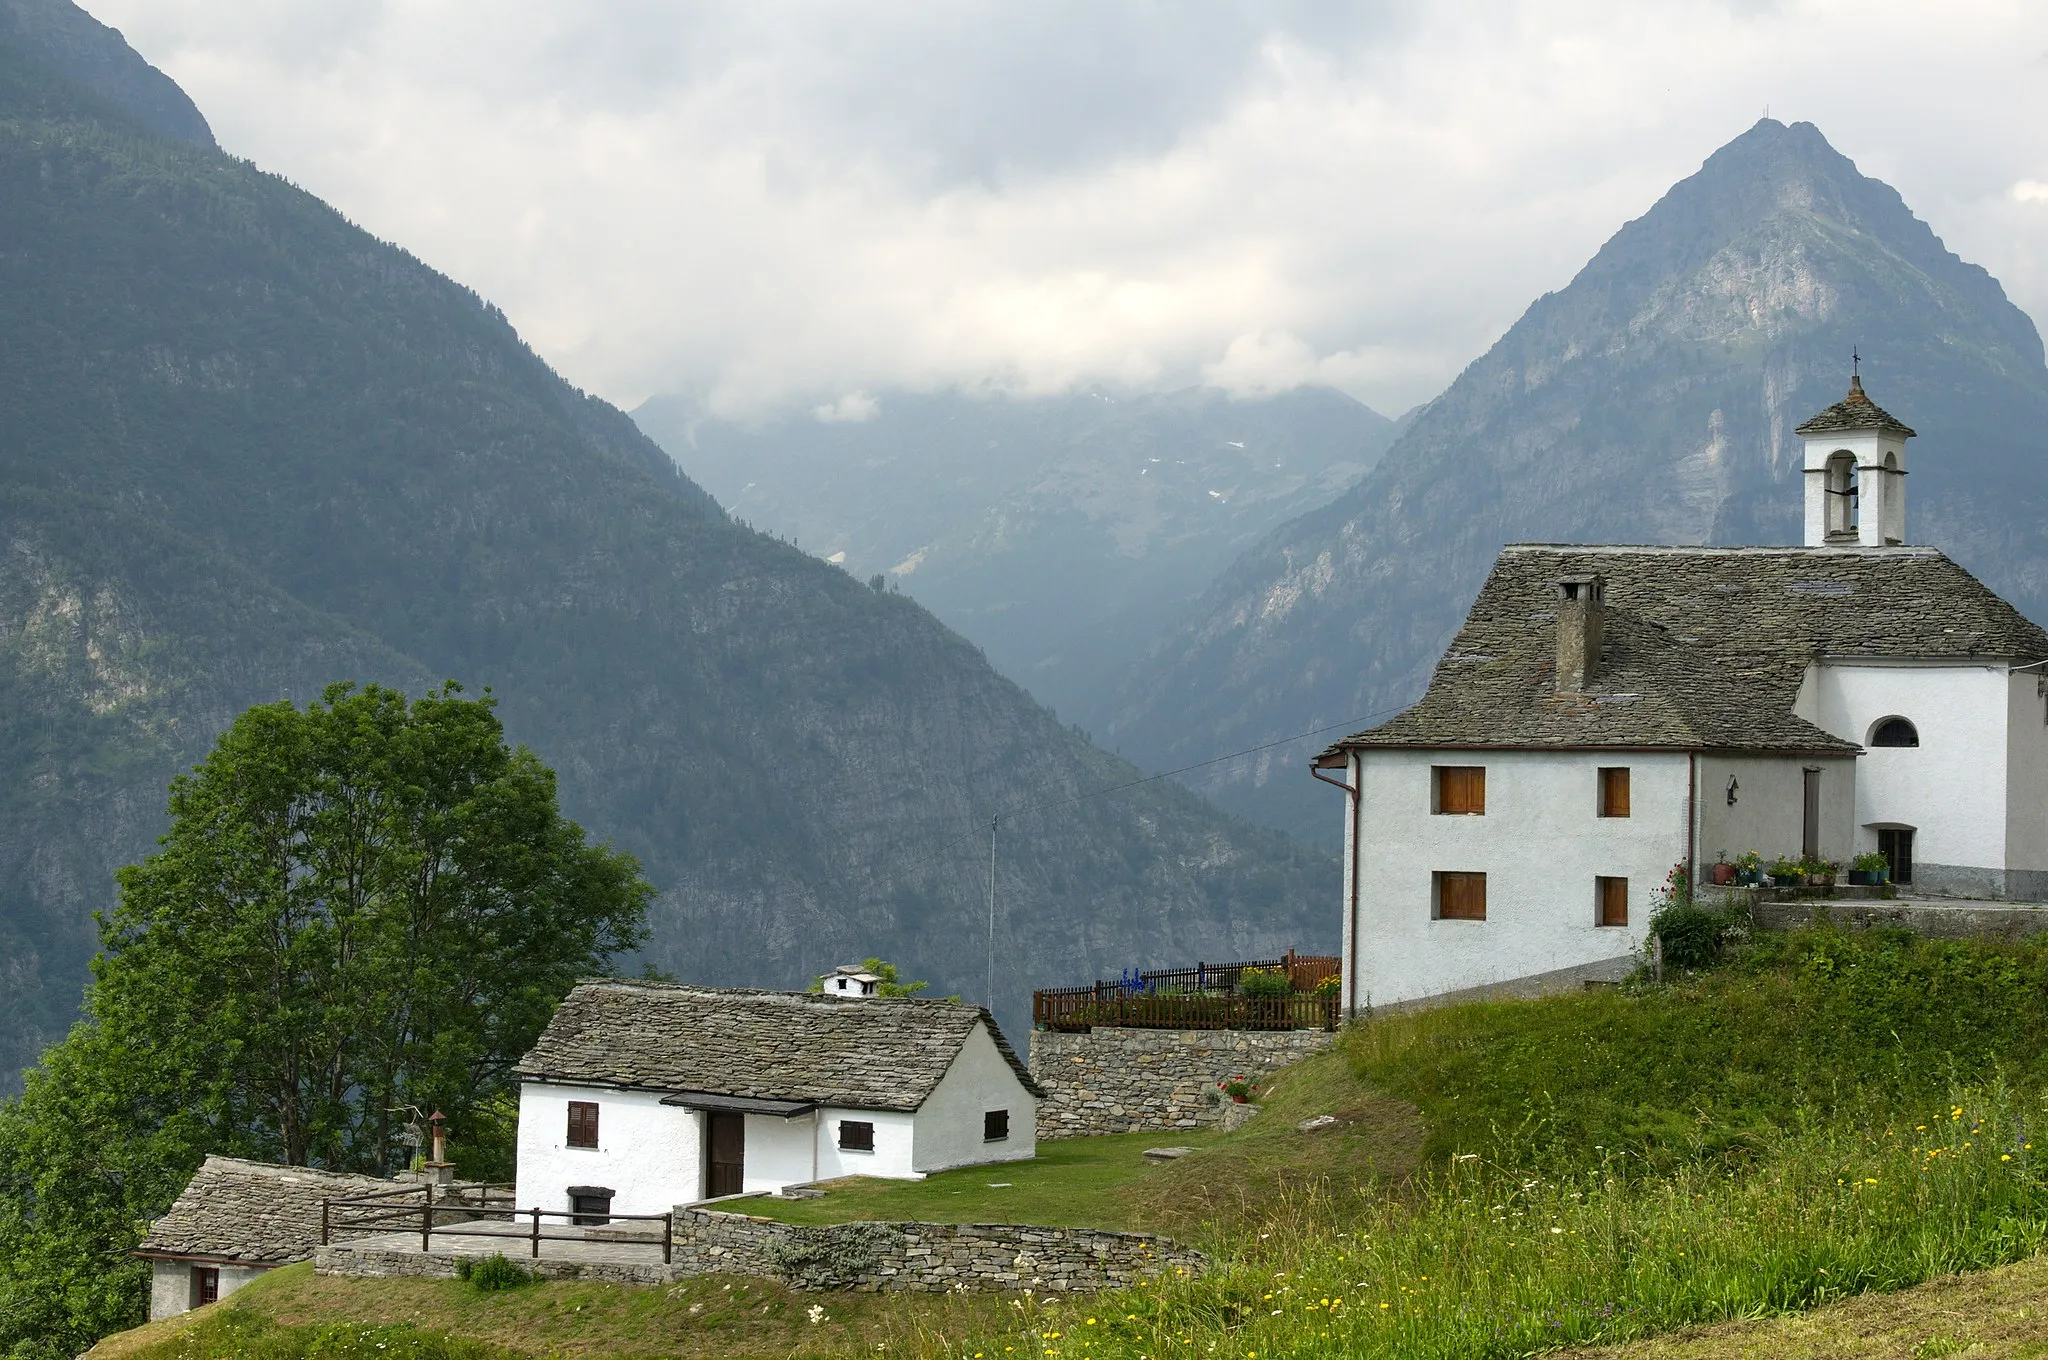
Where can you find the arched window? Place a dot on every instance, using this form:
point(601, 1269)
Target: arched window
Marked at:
point(1841, 489)
point(1894, 732)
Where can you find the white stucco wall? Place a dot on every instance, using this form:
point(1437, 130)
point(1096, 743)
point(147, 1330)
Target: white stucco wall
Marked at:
point(949, 1123)
point(1540, 844)
point(894, 1156)
point(648, 1154)
point(1952, 787)
point(779, 1151)
point(170, 1285)
point(1768, 815)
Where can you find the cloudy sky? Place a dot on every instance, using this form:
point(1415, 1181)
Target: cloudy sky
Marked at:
point(765, 203)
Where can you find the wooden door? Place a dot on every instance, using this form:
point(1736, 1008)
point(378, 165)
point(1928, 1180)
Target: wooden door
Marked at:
point(725, 1142)
point(1897, 845)
point(1809, 820)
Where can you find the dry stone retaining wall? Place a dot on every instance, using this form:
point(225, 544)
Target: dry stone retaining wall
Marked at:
point(1123, 1080)
point(869, 1257)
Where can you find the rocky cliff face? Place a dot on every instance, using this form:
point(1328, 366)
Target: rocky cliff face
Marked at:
point(1057, 533)
point(246, 449)
point(1651, 401)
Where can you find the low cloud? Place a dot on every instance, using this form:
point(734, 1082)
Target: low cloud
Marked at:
point(794, 205)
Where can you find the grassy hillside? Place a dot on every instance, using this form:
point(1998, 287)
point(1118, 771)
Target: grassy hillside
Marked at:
point(1865, 1108)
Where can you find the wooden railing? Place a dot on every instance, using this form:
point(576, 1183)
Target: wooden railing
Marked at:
point(416, 1209)
point(1202, 997)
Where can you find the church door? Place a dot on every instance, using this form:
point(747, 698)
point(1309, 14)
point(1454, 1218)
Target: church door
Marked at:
point(1809, 819)
point(1897, 848)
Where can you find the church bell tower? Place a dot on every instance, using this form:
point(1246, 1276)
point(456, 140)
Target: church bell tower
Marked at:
point(1855, 474)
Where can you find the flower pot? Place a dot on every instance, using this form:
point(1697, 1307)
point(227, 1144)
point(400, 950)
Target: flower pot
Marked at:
point(1823, 880)
point(1237, 1100)
point(1749, 878)
point(1862, 878)
point(1724, 874)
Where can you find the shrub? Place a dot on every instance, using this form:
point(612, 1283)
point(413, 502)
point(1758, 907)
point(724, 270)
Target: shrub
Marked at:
point(1264, 982)
point(1695, 935)
point(492, 1274)
point(1333, 985)
point(1871, 862)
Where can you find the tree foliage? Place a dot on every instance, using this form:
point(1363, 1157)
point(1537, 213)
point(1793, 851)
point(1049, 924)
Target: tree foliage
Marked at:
point(362, 905)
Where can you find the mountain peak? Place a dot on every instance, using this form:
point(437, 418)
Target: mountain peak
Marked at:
point(65, 41)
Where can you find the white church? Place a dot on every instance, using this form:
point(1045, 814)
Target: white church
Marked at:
point(1606, 713)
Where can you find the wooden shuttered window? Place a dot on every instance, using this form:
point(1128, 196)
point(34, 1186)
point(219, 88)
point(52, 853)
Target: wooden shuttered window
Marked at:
point(583, 1123)
point(995, 1125)
point(1611, 897)
point(1460, 790)
point(1614, 791)
point(857, 1135)
point(1460, 897)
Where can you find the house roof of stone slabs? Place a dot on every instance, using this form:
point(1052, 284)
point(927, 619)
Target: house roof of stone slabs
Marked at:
point(251, 1212)
point(871, 1053)
point(1854, 412)
point(1704, 649)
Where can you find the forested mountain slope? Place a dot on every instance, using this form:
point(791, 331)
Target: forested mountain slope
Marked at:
point(1651, 401)
point(246, 449)
point(1060, 533)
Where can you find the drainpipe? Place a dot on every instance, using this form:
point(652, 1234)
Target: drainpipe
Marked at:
point(1351, 836)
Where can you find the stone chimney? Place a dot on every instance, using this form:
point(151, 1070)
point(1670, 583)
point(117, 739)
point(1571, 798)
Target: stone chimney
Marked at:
point(1581, 608)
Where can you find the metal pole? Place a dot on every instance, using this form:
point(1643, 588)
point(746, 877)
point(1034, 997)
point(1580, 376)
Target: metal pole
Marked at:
point(427, 1218)
point(323, 1222)
point(536, 1234)
point(668, 1237)
point(990, 993)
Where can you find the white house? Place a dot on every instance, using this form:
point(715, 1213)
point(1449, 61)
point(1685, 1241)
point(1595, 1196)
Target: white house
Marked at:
point(235, 1221)
point(1607, 713)
point(640, 1096)
point(850, 979)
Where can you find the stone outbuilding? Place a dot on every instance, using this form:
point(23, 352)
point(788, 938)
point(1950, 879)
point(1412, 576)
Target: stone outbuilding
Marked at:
point(234, 1221)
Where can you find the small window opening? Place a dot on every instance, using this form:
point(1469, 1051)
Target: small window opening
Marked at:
point(1842, 498)
point(582, 1123)
point(995, 1126)
point(1610, 896)
point(590, 1206)
point(1614, 791)
point(1459, 790)
point(1895, 732)
point(1458, 896)
point(205, 1285)
point(856, 1135)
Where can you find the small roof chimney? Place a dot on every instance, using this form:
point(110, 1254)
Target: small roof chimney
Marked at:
point(1581, 611)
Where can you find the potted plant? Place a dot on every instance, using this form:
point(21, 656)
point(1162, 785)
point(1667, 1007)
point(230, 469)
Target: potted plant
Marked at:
point(1749, 870)
point(1724, 870)
point(1820, 872)
point(1786, 872)
point(1239, 1089)
point(1870, 869)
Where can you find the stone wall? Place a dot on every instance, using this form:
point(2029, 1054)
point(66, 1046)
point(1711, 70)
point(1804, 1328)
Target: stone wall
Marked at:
point(869, 1257)
point(1122, 1080)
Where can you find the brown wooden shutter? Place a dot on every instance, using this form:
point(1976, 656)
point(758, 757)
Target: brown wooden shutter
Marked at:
point(1613, 896)
point(1614, 791)
point(583, 1123)
point(1461, 790)
point(1461, 897)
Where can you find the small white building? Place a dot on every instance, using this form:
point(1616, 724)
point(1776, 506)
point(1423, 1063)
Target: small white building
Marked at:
point(234, 1221)
point(641, 1096)
point(850, 979)
point(1606, 713)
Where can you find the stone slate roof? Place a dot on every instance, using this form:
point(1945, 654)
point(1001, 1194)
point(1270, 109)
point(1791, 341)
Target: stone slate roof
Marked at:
point(874, 1053)
point(1854, 412)
point(252, 1212)
point(1705, 648)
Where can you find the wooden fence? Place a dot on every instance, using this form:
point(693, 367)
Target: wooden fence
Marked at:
point(486, 1211)
point(1201, 997)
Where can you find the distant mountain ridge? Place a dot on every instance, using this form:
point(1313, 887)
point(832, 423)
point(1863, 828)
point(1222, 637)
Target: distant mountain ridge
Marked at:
point(1650, 401)
point(74, 46)
point(246, 449)
point(1059, 533)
